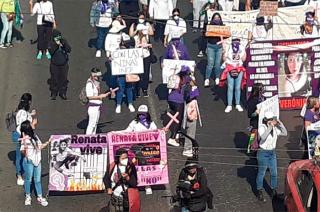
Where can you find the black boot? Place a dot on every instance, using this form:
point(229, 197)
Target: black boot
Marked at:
point(63, 96)
point(53, 96)
point(274, 194)
point(260, 196)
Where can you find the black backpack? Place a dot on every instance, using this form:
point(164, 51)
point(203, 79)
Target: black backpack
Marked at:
point(10, 120)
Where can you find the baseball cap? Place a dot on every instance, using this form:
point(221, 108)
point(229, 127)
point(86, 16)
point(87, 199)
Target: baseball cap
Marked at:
point(143, 109)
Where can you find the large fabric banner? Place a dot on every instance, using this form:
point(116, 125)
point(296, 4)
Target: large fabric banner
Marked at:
point(77, 162)
point(147, 150)
point(289, 69)
point(127, 61)
point(285, 26)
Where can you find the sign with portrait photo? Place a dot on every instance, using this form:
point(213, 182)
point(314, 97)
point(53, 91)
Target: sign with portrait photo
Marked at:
point(77, 162)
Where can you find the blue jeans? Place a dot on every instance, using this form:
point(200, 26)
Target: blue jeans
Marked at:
point(184, 209)
point(234, 84)
point(19, 157)
point(267, 159)
point(32, 171)
point(7, 29)
point(214, 53)
point(124, 86)
point(102, 33)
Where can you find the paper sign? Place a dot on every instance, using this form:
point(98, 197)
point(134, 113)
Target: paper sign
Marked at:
point(268, 8)
point(217, 31)
point(171, 67)
point(127, 61)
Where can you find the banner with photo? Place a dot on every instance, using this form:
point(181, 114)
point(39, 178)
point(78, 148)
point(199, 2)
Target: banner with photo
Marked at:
point(313, 137)
point(288, 68)
point(127, 61)
point(147, 150)
point(77, 162)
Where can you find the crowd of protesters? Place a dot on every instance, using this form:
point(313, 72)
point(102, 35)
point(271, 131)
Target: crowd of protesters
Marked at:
point(123, 24)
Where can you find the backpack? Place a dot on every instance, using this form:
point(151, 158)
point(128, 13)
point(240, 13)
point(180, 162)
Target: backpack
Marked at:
point(83, 95)
point(10, 120)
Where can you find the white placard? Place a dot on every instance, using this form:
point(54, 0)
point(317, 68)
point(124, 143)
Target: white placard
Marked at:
point(127, 61)
point(269, 105)
point(170, 67)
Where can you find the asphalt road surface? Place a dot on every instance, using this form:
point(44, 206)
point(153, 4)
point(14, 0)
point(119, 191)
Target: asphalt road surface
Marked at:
point(230, 171)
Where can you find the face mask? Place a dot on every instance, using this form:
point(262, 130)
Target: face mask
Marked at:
point(235, 47)
point(310, 20)
point(176, 17)
point(124, 162)
point(142, 117)
point(141, 21)
point(260, 21)
point(216, 21)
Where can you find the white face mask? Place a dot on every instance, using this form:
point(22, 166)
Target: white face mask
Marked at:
point(176, 17)
point(141, 21)
point(124, 162)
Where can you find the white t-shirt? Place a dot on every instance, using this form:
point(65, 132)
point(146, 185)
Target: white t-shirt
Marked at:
point(92, 89)
point(271, 142)
point(119, 189)
point(135, 126)
point(43, 8)
point(32, 153)
point(105, 19)
point(235, 59)
point(160, 9)
point(22, 116)
point(173, 30)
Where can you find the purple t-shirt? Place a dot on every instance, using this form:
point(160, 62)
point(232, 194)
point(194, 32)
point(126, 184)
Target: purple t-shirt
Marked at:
point(311, 116)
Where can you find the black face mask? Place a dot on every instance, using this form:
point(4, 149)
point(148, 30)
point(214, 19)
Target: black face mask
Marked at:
point(260, 20)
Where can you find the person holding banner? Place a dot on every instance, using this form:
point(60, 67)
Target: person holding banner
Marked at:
point(214, 50)
point(260, 29)
point(234, 73)
point(31, 147)
point(175, 28)
point(268, 131)
point(120, 181)
point(310, 28)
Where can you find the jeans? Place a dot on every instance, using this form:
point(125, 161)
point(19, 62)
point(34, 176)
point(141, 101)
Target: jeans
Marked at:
point(7, 29)
point(144, 78)
point(267, 159)
point(191, 127)
point(234, 84)
point(124, 86)
point(159, 30)
point(32, 171)
point(18, 162)
point(214, 53)
point(94, 115)
point(102, 33)
point(184, 209)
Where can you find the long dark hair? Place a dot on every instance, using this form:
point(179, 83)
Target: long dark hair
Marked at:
point(217, 14)
point(25, 102)
point(119, 152)
point(27, 129)
point(256, 90)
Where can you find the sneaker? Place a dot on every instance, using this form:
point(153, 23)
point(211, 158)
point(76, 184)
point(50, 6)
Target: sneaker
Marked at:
point(274, 194)
point(131, 108)
point(260, 196)
point(98, 53)
point(3, 46)
point(173, 142)
point(39, 55)
point(206, 83)
point(145, 94)
point(148, 190)
point(194, 30)
point(9, 45)
point(200, 54)
point(42, 201)
point(118, 109)
point(228, 109)
point(239, 108)
point(20, 181)
point(48, 55)
point(187, 153)
point(217, 80)
point(27, 201)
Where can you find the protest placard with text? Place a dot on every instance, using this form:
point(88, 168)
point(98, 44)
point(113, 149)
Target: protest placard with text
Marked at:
point(268, 8)
point(170, 67)
point(217, 31)
point(127, 61)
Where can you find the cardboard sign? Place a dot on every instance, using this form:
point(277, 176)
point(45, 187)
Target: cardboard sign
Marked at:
point(127, 61)
point(217, 31)
point(77, 162)
point(268, 8)
point(269, 105)
point(171, 67)
point(147, 150)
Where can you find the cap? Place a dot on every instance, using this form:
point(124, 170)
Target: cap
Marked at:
point(96, 72)
point(116, 26)
point(191, 163)
point(269, 115)
point(143, 109)
point(56, 33)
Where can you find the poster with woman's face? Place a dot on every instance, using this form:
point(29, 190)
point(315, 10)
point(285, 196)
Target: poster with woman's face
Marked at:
point(293, 76)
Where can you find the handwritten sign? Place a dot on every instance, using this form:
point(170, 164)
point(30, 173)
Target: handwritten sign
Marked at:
point(149, 151)
point(269, 105)
point(217, 31)
point(268, 8)
point(170, 67)
point(127, 61)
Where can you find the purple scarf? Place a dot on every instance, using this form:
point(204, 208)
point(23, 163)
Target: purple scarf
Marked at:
point(235, 47)
point(143, 120)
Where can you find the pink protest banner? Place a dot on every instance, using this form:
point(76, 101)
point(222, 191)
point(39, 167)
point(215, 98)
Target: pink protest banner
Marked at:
point(148, 151)
point(77, 162)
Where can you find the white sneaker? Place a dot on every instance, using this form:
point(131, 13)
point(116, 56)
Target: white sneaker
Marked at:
point(206, 83)
point(217, 80)
point(173, 142)
point(239, 108)
point(27, 201)
point(20, 181)
point(98, 53)
point(228, 109)
point(42, 201)
point(148, 190)
point(187, 153)
point(118, 109)
point(131, 108)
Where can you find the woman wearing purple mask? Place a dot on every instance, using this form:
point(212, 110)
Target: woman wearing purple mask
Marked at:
point(310, 28)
